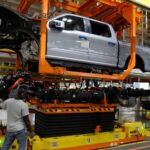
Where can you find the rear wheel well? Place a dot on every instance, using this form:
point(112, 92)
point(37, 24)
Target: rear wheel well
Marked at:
point(139, 63)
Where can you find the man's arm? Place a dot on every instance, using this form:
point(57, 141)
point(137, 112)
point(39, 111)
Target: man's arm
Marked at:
point(2, 105)
point(28, 125)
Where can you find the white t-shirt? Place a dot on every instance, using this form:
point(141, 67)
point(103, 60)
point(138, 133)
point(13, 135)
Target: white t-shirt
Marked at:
point(16, 110)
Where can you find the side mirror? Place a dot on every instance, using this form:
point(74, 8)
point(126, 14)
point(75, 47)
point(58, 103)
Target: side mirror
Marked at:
point(56, 24)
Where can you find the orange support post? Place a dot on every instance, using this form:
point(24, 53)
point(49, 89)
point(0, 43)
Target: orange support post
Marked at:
point(44, 67)
point(17, 62)
point(119, 35)
point(130, 15)
point(105, 101)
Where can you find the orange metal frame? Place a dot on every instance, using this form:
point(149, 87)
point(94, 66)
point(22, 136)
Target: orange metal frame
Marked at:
point(123, 13)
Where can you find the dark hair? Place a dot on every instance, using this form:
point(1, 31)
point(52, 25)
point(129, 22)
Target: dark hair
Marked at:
point(22, 93)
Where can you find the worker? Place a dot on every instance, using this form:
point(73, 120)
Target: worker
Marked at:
point(17, 120)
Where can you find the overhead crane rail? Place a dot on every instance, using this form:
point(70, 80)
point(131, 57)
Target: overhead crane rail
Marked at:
point(116, 12)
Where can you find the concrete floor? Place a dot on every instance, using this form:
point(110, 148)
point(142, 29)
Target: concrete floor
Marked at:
point(144, 145)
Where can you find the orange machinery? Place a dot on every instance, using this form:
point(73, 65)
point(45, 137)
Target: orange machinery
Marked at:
point(116, 12)
point(120, 14)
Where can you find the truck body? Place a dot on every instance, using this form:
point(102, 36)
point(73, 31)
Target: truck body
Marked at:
point(82, 41)
point(72, 41)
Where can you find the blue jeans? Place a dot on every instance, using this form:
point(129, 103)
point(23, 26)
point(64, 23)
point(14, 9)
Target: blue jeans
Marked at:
point(21, 137)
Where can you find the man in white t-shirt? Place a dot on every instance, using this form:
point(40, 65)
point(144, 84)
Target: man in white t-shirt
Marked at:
point(17, 120)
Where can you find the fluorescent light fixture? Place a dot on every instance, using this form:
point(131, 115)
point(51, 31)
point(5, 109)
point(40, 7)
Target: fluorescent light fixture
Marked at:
point(69, 20)
point(98, 3)
point(64, 19)
point(142, 3)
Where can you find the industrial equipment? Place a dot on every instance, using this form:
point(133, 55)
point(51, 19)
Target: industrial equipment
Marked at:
point(77, 121)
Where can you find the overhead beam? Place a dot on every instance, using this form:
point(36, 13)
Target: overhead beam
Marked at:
point(86, 5)
point(66, 5)
point(24, 6)
point(113, 3)
point(99, 10)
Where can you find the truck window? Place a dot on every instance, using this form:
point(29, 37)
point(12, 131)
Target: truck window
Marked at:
point(73, 23)
point(100, 29)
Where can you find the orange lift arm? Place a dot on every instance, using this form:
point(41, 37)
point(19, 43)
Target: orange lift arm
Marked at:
point(25, 5)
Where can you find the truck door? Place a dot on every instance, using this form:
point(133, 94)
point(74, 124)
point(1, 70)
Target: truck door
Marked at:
point(70, 43)
point(103, 45)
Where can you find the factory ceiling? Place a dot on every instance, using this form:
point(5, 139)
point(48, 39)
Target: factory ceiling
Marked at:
point(13, 4)
point(35, 9)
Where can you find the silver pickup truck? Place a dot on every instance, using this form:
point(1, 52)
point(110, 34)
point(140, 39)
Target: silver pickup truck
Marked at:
point(73, 41)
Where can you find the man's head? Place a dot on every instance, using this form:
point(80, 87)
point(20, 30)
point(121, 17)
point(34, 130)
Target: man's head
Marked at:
point(22, 93)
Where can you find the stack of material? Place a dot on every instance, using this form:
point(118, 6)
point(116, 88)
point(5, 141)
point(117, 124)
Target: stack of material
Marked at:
point(52, 125)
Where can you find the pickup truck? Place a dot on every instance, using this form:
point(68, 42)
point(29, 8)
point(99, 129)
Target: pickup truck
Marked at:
point(73, 41)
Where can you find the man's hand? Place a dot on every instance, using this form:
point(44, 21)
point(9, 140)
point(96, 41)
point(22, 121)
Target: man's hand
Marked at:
point(28, 125)
point(32, 134)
